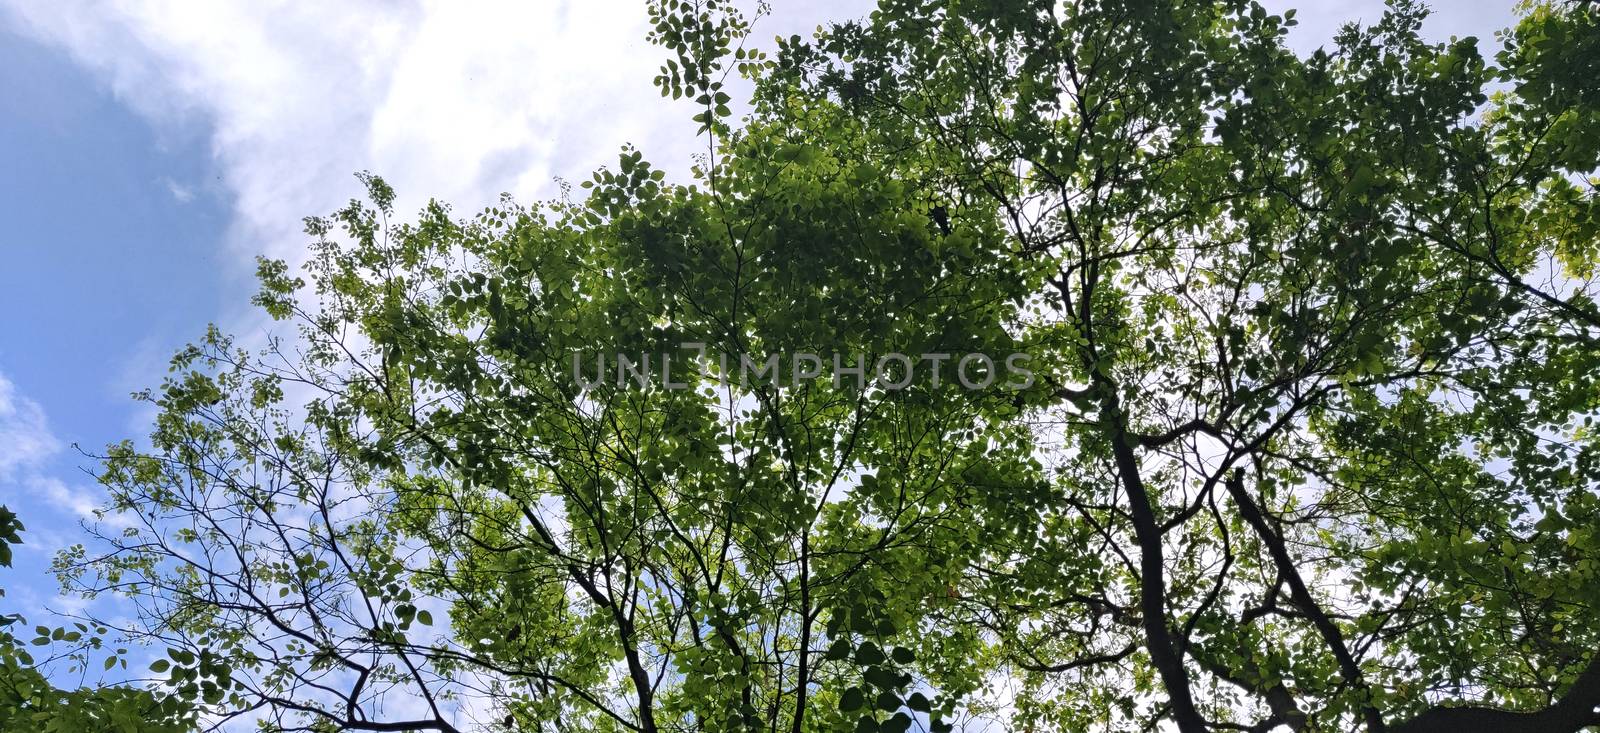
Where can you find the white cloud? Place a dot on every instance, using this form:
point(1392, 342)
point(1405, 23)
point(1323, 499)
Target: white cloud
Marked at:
point(25, 438)
point(455, 101)
point(183, 194)
point(448, 100)
point(62, 497)
point(26, 447)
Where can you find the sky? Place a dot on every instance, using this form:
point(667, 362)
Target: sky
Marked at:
point(151, 149)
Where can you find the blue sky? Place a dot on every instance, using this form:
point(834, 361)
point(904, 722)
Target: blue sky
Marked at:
point(115, 223)
point(110, 258)
point(149, 150)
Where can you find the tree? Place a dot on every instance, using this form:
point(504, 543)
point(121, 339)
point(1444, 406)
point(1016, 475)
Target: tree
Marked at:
point(1310, 443)
point(1327, 339)
point(30, 703)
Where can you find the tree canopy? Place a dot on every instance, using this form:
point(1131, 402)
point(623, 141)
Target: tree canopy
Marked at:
point(1308, 443)
point(30, 702)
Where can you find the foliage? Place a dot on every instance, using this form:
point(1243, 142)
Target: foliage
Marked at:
point(29, 703)
point(1312, 446)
